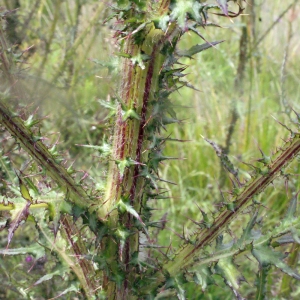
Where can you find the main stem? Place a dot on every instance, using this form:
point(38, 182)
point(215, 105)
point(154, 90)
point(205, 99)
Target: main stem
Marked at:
point(138, 87)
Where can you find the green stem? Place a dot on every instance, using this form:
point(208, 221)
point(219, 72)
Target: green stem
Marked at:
point(138, 87)
point(41, 154)
point(189, 255)
point(256, 186)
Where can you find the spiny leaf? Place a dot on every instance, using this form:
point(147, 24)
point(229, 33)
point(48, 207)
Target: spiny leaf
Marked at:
point(24, 190)
point(139, 59)
point(292, 209)
point(126, 163)
point(224, 6)
point(156, 157)
point(265, 159)
point(228, 165)
point(230, 273)
point(31, 122)
point(203, 277)
point(261, 281)
point(197, 49)
point(108, 104)
point(34, 249)
point(247, 231)
point(130, 114)
point(180, 290)
point(123, 54)
point(266, 256)
point(104, 149)
point(176, 283)
point(183, 9)
point(5, 166)
point(111, 65)
point(147, 174)
point(123, 207)
point(59, 271)
point(20, 216)
point(206, 222)
point(55, 214)
point(74, 287)
point(163, 22)
point(193, 29)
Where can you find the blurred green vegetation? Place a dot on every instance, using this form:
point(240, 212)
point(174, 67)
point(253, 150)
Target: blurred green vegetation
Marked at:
point(68, 65)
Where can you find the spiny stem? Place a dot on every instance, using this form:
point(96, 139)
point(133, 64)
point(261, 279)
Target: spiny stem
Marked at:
point(255, 187)
point(41, 154)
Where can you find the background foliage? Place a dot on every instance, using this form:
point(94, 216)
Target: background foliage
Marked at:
point(69, 73)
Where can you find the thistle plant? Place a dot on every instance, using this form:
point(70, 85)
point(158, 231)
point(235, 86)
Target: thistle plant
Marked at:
point(106, 237)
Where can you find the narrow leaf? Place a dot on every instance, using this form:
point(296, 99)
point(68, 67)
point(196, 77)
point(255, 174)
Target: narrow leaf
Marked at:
point(247, 231)
point(59, 272)
point(72, 288)
point(197, 49)
point(125, 207)
point(24, 190)
point(292, 209)
point(261, 282)
point(19, 218)
point(35, 249)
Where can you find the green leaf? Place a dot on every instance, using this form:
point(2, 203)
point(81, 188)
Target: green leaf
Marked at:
point(104, 149)
point(111, 65)
point(125, 207)
point(109, 105)
point(180, 290)
point(31, 122)
point(203, 277)
point(130, 114)
point(230, 273)
point(24, 190)
point(74, 287)
point(163, 22)
point(55, 214)
point(261, 281)
point(126, 163)
point(176, 283)
point(34, 249)
point(156, 157)
point(197, 49)
point(292, 209)
point(139, 59)
point(7, 206)
point(206, 222)
point(60, 272)
point(247, 233)
point(184, 9)
point(266, 256)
